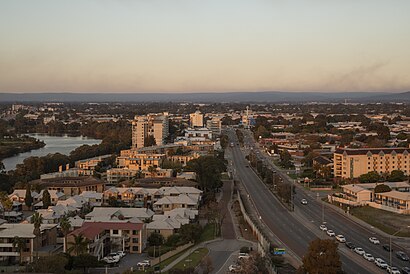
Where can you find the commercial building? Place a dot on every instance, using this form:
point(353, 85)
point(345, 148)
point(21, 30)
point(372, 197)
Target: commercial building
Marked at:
point(214, 125)
point(155, 125)
point(351, 163)
point(196, 119)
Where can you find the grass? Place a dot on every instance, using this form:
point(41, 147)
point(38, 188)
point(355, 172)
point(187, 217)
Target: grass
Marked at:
point(208, 233)
point(193, 259)
point(386, 221)
point(162, 265)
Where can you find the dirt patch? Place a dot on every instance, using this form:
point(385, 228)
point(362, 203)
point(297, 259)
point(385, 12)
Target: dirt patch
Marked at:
point(243, 226)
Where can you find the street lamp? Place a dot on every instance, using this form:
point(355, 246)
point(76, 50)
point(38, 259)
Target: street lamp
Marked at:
point(391, 236)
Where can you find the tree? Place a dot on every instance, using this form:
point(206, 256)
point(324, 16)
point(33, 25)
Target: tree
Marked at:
point(286, 159)
point(191, 232)
point(84, 261)
point(51, 264)
point(20, 245)
point(65, 226)
point(28, 200)
point(396, 176)
point(322, 257)
point(37, 220)
point(150, 141)
point(155, 239)
point(79, 246)
point(370, 177)
point(208, 171)
point(382, 188)
point(206, 265)
point(152, 170)
point(46, 199)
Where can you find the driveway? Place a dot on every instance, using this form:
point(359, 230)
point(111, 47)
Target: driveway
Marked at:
point(128, 262)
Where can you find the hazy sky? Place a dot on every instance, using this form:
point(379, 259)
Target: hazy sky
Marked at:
point(204, 45)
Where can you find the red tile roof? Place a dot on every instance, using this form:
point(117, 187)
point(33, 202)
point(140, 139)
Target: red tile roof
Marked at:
point(92, 229)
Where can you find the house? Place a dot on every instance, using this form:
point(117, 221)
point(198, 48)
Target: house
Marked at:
point(105, 214)
point(45, 244)
point(165, 225)
point(71, 186)
point(55, 196)
point(171, 202)
point(110, 236)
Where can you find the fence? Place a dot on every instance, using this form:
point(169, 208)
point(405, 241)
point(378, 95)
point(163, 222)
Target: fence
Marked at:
point(171, 253)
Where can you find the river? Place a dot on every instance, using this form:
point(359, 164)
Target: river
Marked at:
point(62, 144)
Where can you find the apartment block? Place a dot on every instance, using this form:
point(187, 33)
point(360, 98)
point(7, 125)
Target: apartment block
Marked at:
point(155, 125)
point(351, 163)
point(196, 119)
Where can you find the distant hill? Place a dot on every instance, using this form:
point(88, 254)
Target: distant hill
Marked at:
point(208, 97)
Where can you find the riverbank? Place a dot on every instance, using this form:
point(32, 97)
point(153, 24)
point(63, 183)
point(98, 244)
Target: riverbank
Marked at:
point(12, 146)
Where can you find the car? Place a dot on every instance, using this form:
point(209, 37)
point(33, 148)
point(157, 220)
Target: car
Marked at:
point(392, 270)
point(405, 270)
point(144, 263)
point(114, 255)
point(323, 227)
point(341, 238)
point(330, 233)
point(387, 247)
point(243, 255)
point(350, 245)
point(304, 202)
point(380, 263)
point(368, 257)
point(111, 260)
point(402, 256)
point(359, 250)
point(234, 268)
point(121, 254)
point(374, 240)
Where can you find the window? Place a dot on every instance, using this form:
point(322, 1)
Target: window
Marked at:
point(135, 232)
point(115, 231)
point(135, 240)
point(135, 248)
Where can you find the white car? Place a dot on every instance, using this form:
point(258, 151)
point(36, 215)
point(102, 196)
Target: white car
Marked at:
point(330, 233)
point(392, 270)
point(243, 256)
point(368, 257)
point(374, 240)
point(359, 250)
point(121, 254)
point(304, 202)
point(234, 268)
point(323, 227)
point(144, 263)
point(114, 256)
point(380, 263)
point(341, 238)
point(111, 260)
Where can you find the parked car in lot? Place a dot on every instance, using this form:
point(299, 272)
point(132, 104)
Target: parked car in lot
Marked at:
point(380, 263)
point(114, 255)
point(393, 270)
point(350, 245)
point(323, 227)
point(121, 254)
point(359, 250)
point(374, 240)
point(386, 247)
point(144, 263)
point(111, 260)
point(405, 270)
point(330, 233)
point(234, 268)
point(341, 238)
point(402, 256)
point(368, 257)
point(304, 202)
point(243, 255)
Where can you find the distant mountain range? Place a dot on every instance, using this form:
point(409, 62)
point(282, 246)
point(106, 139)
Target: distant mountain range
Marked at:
point(209, 97)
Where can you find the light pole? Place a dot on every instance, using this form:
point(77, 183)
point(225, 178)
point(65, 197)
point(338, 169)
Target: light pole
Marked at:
point(391, 236)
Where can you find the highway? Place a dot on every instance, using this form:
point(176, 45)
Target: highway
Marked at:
point(295, 232)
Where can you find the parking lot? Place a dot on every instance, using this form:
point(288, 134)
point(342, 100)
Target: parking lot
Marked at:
point(128, 262)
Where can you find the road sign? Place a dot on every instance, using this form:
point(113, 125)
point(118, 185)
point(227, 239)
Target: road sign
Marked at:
point(279, 251)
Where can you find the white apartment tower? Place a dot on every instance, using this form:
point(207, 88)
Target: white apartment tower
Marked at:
point(155, 125)
point(196, 119)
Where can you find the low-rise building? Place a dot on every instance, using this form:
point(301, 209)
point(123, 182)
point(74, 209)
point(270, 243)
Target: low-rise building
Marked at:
point(71, 186)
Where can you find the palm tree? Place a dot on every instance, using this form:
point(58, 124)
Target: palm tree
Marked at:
point(37, 220)
point(19, 244)
point(79, 246)
point(65, 226)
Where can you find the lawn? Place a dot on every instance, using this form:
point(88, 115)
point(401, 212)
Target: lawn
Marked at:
point(162, 265)
point(208, 233)
point(193, 259)
point(384, 220)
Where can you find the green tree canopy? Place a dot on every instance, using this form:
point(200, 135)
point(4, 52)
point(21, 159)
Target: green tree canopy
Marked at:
point(28, 200)
point(396, 176)
point(382, 188)
point(46, 199)
point(370, 177)
point(208, 171)
point(322, 257)
point(155, 239)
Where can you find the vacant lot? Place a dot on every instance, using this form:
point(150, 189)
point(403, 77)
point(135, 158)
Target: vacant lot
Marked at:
point(387, 221)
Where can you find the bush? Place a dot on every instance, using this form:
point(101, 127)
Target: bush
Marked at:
point(244, 249)
point(173, 240)
point(158, 251)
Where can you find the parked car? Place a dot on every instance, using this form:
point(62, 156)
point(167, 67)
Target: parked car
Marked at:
point(323, 227)
point(380, 263)
point(234, 268)
point(243, 255)
point(114, 255)
point(368, 257)
point(121, 254)
point(111, 260)
point(374, 240)
point(405, 270)
point(341, 238)
point(350, 245)
point(387, 247)
point(304, 202)
point(359, 250)
point(330, 233)
point(144, 263)
point(393, 270)
point(402, 256)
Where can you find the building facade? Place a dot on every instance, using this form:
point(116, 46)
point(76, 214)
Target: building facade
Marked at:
point(155, 125)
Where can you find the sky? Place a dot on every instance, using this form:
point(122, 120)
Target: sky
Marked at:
point(204, 45)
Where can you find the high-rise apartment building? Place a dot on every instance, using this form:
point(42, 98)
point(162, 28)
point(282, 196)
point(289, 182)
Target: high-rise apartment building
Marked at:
point(196, 119)
point(155, 125)
point(351, 163)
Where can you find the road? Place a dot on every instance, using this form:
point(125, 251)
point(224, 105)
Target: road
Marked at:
point(293, 231)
